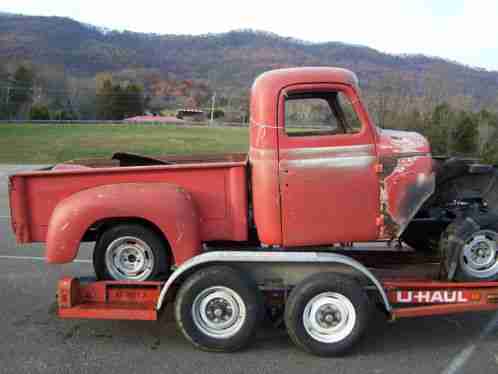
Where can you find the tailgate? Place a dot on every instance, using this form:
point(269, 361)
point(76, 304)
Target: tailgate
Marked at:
point(19, 208)
point(20, 205)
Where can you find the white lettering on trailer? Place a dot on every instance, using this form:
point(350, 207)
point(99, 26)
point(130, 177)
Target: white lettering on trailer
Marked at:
point(430, 297)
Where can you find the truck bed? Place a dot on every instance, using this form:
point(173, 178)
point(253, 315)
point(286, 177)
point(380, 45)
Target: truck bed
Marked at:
point(217, 183)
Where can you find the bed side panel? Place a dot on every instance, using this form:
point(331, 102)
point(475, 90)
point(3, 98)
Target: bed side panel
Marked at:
point(217, 193)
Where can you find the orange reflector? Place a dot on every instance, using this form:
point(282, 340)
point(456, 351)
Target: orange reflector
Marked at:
point(475, 296)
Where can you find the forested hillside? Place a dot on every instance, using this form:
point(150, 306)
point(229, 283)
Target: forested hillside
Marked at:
point(227, 61)
point(57, 68)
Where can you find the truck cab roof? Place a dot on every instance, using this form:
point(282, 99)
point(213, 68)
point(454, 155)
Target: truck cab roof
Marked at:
point(280, 78)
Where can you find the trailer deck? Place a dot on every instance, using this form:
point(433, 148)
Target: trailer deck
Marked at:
point(413, 289)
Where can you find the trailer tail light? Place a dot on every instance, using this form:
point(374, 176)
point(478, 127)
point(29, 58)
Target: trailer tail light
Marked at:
point(475, 296)
point(67, 294)
point(493, 298)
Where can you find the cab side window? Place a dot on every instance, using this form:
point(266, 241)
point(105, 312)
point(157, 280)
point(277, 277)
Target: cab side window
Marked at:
point(324, 113)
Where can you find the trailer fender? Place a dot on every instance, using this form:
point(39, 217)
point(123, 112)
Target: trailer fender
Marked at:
point(170, 208)
point(254, 257)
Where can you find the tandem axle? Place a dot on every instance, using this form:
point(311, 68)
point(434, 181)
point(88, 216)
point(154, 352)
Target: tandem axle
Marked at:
point(327, 297)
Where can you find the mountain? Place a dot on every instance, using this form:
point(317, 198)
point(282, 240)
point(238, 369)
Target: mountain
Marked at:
point(229, 60)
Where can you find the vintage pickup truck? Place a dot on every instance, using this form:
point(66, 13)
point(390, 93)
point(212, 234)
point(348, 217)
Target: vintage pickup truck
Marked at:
point(299, 186)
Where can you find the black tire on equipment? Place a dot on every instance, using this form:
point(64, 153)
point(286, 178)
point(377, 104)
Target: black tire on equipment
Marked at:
point(453, 241)
point(219, 276)
point(158, 246)
point(315, 285)
point(420, 244)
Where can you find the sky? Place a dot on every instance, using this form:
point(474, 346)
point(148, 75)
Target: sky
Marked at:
point(465, 31)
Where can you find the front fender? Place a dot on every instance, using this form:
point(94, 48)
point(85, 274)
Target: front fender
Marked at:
point(170, 208)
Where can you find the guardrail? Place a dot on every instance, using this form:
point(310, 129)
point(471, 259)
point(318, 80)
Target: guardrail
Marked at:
point(103, 122)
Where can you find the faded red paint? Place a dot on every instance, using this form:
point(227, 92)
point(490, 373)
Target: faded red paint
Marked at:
point(306, 191)
point(108, 300)
point(190, 203)
point(138, 300)
point(167, 206)
point(276, 225)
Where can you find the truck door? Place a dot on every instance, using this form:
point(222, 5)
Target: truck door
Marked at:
point(328, 182)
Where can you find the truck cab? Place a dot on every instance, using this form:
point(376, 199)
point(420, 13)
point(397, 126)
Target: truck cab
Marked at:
point(340, 179)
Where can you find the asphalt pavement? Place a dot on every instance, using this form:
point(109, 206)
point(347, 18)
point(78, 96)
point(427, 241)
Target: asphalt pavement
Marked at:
point(34, 340)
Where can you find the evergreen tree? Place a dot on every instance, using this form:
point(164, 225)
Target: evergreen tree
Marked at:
point(105, 100)
point(115, 102)
point(465, 133)
point(21, 92)
point(39, 113)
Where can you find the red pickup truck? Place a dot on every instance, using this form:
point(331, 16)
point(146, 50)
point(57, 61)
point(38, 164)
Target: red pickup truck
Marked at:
point(318, 173)
point(299, 186)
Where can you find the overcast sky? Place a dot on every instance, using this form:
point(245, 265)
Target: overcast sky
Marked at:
point(462, 30)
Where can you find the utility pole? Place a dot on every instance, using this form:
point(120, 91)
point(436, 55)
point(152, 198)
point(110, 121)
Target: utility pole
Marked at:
point(212, 107)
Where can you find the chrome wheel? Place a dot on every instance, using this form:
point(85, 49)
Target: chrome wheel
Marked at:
point(478, 257)
point(329, 317)
point(129, 258)
point(218, 312)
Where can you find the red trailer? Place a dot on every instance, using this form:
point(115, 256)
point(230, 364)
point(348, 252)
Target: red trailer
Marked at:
point(329, 323)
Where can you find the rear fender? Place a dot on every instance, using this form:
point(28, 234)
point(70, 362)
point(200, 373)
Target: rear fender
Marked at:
point(251, 261)
point(170, 208)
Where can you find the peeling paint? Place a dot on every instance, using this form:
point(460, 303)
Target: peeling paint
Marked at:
point(180, 227)
point(405, 184)
point(331, 162)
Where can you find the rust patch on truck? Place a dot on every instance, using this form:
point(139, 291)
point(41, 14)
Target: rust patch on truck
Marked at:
point(406, 182)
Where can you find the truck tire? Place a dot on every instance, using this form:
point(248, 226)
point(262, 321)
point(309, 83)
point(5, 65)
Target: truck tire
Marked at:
point(468, 249)
point(218, 309)
point(130, 252)
point(326, 314)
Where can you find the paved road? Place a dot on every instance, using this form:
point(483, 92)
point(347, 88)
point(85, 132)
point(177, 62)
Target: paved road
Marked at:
point(33, 340)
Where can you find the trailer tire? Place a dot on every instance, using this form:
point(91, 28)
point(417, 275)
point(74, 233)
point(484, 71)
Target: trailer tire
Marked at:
point(218, 309)
point(469, 250)
point(144, 255)
point(326, 314)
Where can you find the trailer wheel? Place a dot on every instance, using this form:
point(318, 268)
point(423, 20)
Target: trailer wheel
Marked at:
point(326, 314)
point(218, 309)
point(130, 252)
point(469, 248)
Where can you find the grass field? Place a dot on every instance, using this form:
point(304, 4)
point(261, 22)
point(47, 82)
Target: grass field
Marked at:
point(45, 144)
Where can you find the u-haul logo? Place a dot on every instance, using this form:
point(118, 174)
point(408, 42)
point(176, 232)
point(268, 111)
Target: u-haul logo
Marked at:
point(431, 297)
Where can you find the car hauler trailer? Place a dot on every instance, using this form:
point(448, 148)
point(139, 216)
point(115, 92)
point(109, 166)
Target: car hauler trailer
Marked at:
point(327, 298)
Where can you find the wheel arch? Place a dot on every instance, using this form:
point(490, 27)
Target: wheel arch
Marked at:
point(249, 258)
point(166, 208)
point(96, 229)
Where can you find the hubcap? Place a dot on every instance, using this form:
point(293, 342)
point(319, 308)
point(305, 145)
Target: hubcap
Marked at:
point(329, 317)
point(129, 258)
point(218, 312)
point(478, 257)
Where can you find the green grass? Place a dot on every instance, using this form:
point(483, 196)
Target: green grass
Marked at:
point(46, 144)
